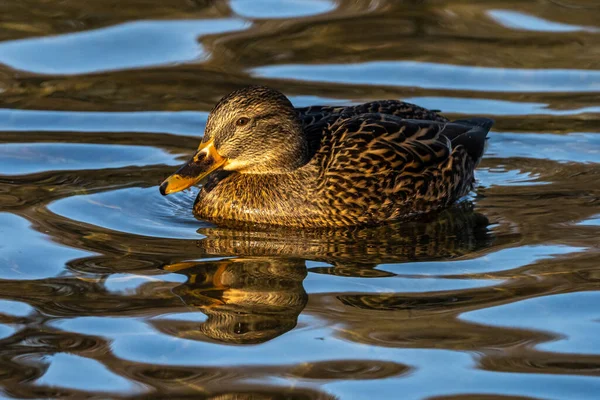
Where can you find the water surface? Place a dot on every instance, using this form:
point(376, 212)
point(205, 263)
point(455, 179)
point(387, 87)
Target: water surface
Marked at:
point(109, 290)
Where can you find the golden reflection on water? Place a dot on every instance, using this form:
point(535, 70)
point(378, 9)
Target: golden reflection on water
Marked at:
point(247, 301)
point(109, 290)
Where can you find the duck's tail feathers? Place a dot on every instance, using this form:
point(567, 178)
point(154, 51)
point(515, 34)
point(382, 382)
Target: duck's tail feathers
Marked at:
point(472, 136)
point(484, 123)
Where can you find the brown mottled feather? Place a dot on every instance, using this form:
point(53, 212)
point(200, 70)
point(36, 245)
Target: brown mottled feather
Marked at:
point(368, 164)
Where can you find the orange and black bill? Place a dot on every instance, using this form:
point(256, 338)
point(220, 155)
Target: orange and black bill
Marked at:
point(205, 161)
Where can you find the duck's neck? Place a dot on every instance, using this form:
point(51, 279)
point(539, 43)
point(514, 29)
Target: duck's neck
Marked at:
point(258, 198)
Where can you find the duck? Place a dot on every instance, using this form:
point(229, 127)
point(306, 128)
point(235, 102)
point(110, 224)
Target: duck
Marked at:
point(263, 161)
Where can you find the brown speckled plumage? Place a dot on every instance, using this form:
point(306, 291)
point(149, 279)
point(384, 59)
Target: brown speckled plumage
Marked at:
point(335, 166)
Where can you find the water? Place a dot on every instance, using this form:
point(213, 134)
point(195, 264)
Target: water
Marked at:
point(109, 290)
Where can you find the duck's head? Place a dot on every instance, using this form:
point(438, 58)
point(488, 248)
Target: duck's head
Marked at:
point(254, 130)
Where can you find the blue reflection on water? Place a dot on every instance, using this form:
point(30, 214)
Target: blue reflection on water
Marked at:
point(522, 21)
point(71, 371)
point(128, 283)
point(15, 308)
point(574, 147)
point(501, 260)
point(139, 211)
point(6, 331)
point(280, 8)
point(432, 379)
point(567, 315)
point(189, 123)
point(493, 107)
point(28, 254)
point(319, 283)
point(500, 176)
point(129, 45)
point(594, 221)
point(27, 158)
point(439, 76)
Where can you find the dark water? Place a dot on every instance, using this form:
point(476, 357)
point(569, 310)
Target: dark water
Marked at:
point(108, 290)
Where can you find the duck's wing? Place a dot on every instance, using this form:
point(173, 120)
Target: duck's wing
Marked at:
point(315, 114)
point(398, 109)
point(377, 161)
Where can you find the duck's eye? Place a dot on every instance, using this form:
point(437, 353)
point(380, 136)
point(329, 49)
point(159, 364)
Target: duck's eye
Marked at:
point(242, 121)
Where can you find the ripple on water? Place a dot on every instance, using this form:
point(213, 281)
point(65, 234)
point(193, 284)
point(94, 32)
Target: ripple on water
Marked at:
point(180, 122)
point(15, 308)
point(573, 147)
point(139, 211)
point(439, 76)
point(12, 315)
point(594, 221)
point(28, 158)
point(76, 372)
point(527, 22)
point(6, 331)
point(129, 283)
point(502, 176)
point(482, 106)
point(567, 315)
point(107, 327)
point(349, 369)
point(325, 283)
point(148, 346)
point(27, 254)
point(501, 260)
point(141, 44)
point(280, 8)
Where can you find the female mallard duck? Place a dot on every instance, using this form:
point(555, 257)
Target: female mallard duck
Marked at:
point(270, 163)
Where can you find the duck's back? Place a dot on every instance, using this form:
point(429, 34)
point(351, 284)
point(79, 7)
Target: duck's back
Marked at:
point(314, 114)
point(386, 160)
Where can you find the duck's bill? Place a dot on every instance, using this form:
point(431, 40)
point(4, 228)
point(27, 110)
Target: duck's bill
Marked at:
point(205, 161)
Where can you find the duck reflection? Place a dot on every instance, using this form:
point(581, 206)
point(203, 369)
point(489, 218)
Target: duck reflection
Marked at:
point(450, 233)
point(258, 295)
point(247, 301)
